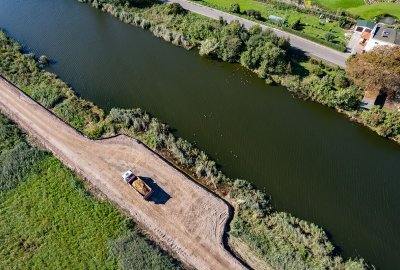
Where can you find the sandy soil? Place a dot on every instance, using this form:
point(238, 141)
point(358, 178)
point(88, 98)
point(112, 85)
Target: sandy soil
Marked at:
point(183, 216)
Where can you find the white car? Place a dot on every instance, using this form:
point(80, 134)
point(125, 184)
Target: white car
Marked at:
point(128, 176)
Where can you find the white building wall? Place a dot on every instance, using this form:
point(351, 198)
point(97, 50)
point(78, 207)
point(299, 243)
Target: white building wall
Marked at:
point(372, 43)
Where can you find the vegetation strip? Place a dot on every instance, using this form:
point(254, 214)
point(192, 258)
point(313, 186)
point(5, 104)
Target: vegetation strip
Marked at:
point(49, 220)
point(278, 238)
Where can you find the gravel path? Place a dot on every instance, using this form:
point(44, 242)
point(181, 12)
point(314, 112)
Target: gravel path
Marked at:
point(183, 216)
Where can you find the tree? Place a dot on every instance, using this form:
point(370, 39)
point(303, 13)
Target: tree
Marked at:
point(264, 54)
point(254, 13)
point(377, 70)
point(340, 79)
point(209, 47)
point(296, 25)
point(175, 9)
point(235, 8)
point(231, 41)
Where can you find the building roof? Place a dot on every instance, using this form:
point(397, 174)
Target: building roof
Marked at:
point(367, 24)
point(389, 35)
point(366, 35)
point(397, 40)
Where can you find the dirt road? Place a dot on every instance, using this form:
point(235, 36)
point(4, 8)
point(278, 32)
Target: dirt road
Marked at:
point(186, 218)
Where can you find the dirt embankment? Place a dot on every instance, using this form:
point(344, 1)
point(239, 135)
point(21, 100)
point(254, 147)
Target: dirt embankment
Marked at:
point(183, 216)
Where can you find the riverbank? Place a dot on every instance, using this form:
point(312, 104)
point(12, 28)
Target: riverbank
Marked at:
point(305, 78)
point(182, 216)
point(155, 134)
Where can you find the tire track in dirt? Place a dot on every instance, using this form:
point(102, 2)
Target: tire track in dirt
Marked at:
point(184, 217)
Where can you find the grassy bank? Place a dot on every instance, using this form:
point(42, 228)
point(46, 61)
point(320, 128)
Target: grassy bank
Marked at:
point(280, 239)
point(50, 221)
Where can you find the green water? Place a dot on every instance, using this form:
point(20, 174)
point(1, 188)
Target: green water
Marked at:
point(311, 160)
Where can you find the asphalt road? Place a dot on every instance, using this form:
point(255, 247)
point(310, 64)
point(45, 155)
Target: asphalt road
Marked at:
point(308, 47)
point(184, 217)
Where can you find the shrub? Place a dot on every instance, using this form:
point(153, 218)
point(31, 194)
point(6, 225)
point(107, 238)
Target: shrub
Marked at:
point(135, 252)
point(296, 25)
point(43, 61)
point(16, 157)
point(234, 8)
point(254, 13)
point(47, 96)
point(373, 117)
point(175, 9)
point(329, 36)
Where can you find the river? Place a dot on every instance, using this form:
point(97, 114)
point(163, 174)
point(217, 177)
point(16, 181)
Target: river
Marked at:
point(314, 163)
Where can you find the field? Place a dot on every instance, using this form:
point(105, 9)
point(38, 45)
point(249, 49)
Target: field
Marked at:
point(310, 23)
point(50, 221)
point(371, 11)
point(358, 7)
point(339, 4)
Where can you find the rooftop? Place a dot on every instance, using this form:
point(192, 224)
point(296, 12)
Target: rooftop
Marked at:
point(366, 35)
point(366, 24)
point(389, 35)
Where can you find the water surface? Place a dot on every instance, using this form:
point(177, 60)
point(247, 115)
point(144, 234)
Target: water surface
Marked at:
point(311, 160)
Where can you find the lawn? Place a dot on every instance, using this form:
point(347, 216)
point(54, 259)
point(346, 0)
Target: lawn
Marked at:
point(371, 11)
point(311, 23)
point(49, 220)
point(342, 4)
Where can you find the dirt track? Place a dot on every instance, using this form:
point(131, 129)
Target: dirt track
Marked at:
point(186, 218)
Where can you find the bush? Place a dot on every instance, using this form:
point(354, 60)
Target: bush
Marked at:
point(235, 8)
point(296, 25)
point(16, 157)
point(43, 61)
point(374, 117)
point(254, 14)
point(175, 9)
point(47, 96)
point(387, 124)
point(135, 252)
point(329, 36)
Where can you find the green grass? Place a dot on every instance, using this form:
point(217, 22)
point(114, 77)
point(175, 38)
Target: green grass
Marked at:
point(49, 220)
point(371, 11)
point(49, 223)
point(310, 22)
point(339, 4)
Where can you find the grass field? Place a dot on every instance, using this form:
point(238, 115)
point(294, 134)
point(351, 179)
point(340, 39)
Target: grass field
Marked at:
point(371, 11)
point(49, 220)
point(339, 4)
point(310, 22)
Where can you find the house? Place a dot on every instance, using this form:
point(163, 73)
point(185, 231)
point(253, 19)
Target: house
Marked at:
point(360, 36)
point(382, 35)
point(364, 26)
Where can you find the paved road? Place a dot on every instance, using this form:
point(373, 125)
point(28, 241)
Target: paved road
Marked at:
point(183, 216)
point(307, 46)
